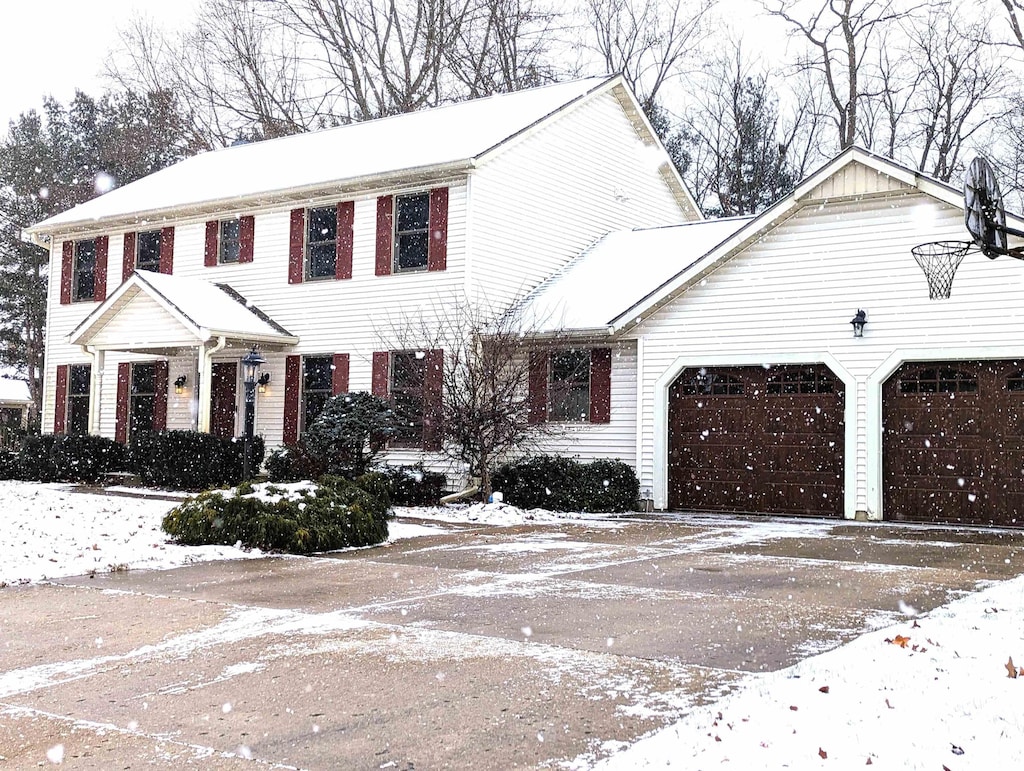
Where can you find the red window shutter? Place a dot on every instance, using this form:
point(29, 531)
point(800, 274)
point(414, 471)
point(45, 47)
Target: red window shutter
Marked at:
point(539, 386)
point(296, 242)
point(60, 406)
point(292, 372)
point(160, 398)
point(212, 237)
point(246, 238)
point(66, 267)
point(128, 256)
point(385, 234)
point(601, 385)
point(343, 251)
point(167, 250)
point(339, 377)
point(437, 246)
point(379, 384)
point(124, 377)
point(102, 253)
point(433, 395)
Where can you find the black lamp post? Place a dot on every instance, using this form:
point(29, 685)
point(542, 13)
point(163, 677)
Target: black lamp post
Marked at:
point(250, 364)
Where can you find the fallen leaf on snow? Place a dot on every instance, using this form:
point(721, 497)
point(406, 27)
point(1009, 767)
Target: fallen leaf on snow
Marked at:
point(958, 750)
point(824, 689)
point(822, 753)
point(899, 640)
point(1010, 668)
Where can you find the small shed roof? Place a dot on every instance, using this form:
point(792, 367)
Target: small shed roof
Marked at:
point(432, 139)
point(13, 391)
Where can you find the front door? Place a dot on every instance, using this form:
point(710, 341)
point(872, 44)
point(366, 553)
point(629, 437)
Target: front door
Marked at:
point(223, 399)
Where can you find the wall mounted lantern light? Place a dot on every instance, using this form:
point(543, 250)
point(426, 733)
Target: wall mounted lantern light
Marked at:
point(858, 323)
point(262, 381)
point(179, 384)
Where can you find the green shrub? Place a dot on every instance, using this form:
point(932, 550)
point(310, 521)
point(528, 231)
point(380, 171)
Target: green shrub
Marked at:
point(332, 515)
point(564, 484)
point(405, 485)
point(10, 465)
point(71, 458)
point(293, 464)
point(189, 460)
point(349, 432)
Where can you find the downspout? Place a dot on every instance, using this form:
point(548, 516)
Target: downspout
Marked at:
point(205, 375)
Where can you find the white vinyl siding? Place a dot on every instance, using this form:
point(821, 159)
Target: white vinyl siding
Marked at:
point(794, 292)
point(542, 201)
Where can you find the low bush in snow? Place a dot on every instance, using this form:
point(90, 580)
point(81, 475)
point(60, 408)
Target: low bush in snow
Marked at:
point(565, 484)
point(189, 460)
point(69, 458)
point(404, 485)
point(293, 464)
point(298, 518)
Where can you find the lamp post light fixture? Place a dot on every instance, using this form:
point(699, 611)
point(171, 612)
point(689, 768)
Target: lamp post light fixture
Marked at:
point(250, 364)
point(858, 323)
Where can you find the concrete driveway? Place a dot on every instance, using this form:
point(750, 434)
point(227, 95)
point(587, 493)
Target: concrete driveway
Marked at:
point(525, 647)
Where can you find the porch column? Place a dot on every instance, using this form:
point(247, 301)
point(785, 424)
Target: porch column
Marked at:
point(203, 388)
point(95, 387)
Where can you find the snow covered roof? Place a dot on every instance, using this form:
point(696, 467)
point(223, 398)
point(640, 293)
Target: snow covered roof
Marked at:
point(444, 138)
point(619, 271)
point(204, 309)
point(14, 390)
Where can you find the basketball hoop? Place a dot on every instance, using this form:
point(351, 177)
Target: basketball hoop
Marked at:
point(939, 261)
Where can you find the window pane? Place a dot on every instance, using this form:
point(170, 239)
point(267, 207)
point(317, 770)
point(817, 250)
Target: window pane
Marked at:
point(229, 241)
point(148, 251)
point(316, 386)
point(78, 379)
point(413, 212)
point(323, 224)
point(569, 386)
point(142, 410)
point(412, 251)
point(314, 405)
point(408, 371)
point(321, 260)
point(321, 249)
point(78, 415)
point(143, 378)
point(84, 287)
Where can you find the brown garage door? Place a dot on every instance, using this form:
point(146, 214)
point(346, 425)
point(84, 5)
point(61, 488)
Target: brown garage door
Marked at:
point(953, 448)
point(757, 439)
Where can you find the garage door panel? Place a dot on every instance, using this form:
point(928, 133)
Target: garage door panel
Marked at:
point(954, 457)
point(758, 444)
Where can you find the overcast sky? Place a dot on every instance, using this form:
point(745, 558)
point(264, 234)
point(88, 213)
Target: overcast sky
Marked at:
point(56, 46)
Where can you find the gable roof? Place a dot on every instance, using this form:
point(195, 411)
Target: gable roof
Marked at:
point(878, 175)
point(203, 309)
point(618, 271)
point(412, 146)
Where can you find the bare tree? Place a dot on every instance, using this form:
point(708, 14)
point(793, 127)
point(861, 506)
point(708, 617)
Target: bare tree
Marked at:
point(485, 379)
point(651, 42)
point(841, 35)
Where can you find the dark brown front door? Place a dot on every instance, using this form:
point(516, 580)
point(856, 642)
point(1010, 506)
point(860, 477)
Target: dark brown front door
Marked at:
point(224, 399)
point(757, 439)
point(953, 448)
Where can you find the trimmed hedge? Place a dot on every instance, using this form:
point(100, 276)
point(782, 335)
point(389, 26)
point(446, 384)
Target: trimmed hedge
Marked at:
point(293, 464)
point(564, 484)
point(69, 458)
point(332, 515)
point(405, 485)
point(189, 460)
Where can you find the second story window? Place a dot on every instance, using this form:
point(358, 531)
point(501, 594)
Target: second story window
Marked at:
point(147, 251)
point(230, 241)
point(321, 242)
point(412, 231)
point(83, 285)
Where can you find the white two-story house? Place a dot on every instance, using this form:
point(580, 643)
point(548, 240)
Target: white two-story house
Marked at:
point(312, 246)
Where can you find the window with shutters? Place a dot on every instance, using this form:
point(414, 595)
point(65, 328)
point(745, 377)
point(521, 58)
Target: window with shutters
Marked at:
point(321, 242)
point(569, 385)
point(317, 375)
point(229, 241)
point(407, 389)
point(142, 407)
point(147, 251)
point(79, 376)
point(83, 282)
point(412, 231)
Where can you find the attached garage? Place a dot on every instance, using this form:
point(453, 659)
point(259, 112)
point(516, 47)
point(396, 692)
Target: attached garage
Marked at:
point(953, 442)
point(757, 439)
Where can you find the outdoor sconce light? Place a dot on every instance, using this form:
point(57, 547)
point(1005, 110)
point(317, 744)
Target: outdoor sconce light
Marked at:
point(179, 384)
point(262, 381)
point(858, 323)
